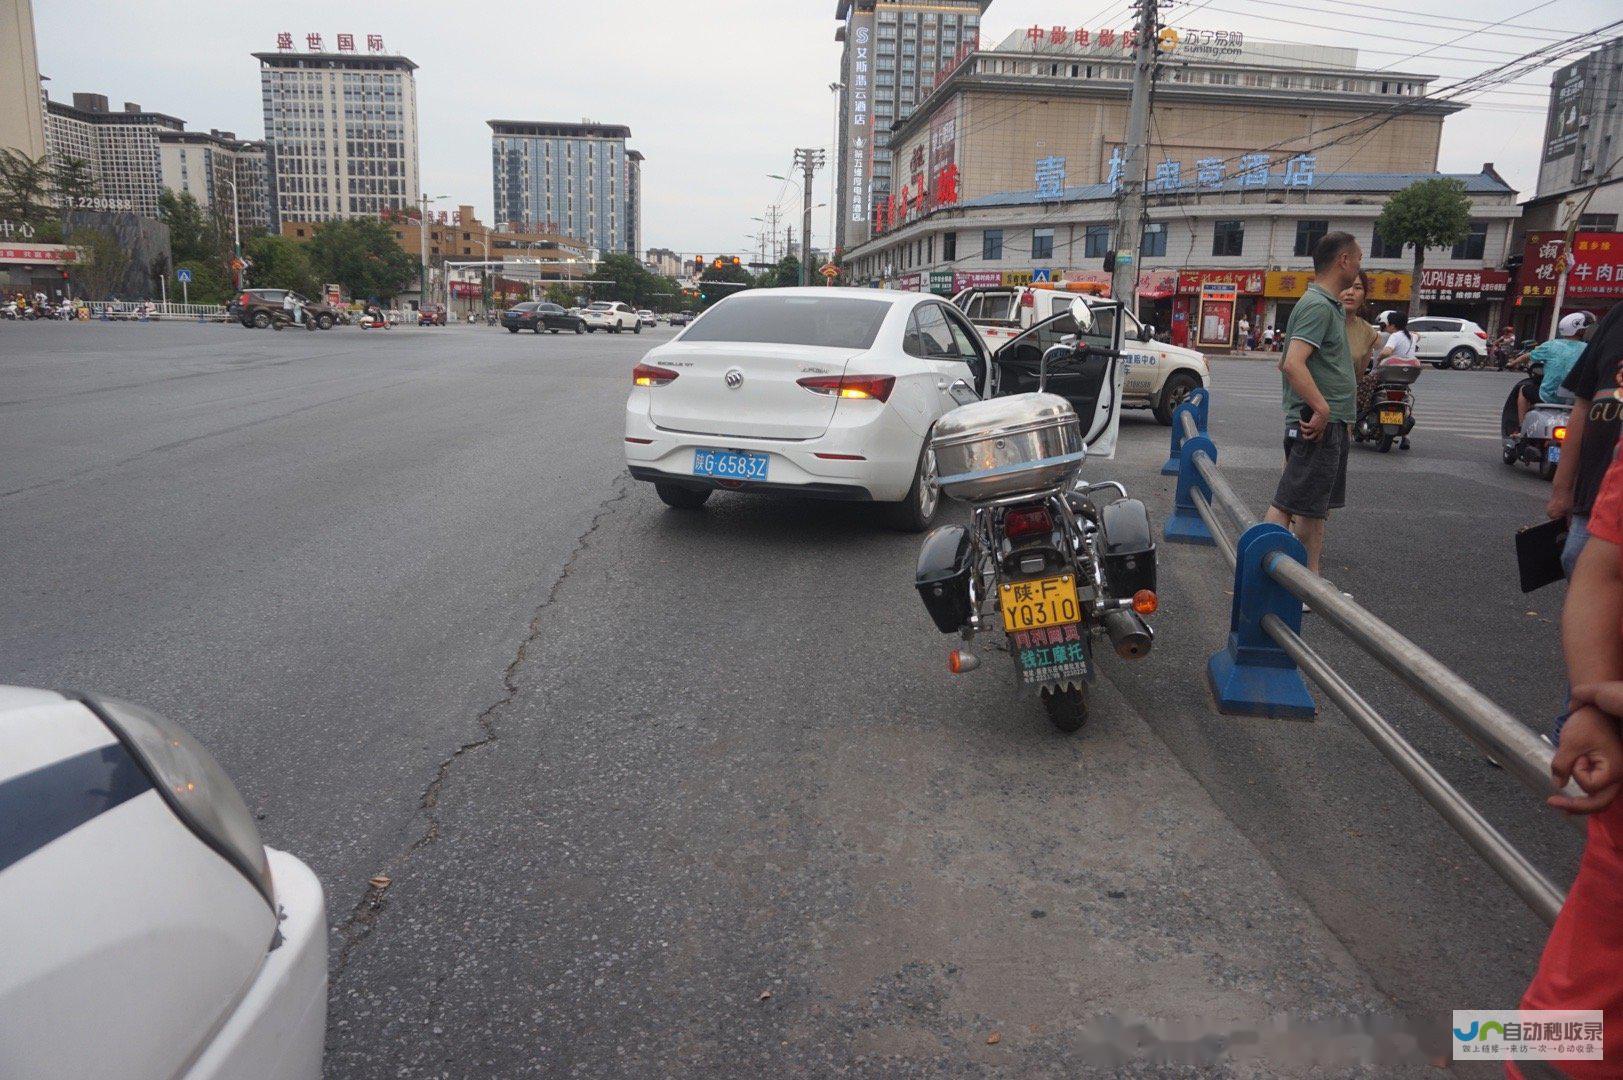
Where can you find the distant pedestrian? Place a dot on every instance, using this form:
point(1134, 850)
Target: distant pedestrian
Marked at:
point(1244, 329)
point(1320, 385)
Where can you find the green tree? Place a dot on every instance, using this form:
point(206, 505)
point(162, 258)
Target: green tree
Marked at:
point(72, 180)
point(210, 284)
point(1431, 213)
point(191, 232)
point(560, 294)
point(25, 185)
point(102, 263)
point(281, 263)
point(361, 255)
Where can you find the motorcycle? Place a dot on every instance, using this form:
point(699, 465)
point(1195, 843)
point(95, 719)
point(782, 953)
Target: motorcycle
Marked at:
point(281, 320)
point(1390, 415)
point(372, 321)
point(1543, 429)
point(1048, 561)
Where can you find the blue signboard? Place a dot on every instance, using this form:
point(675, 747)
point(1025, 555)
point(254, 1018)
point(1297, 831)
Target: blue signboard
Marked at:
point(1042, 273)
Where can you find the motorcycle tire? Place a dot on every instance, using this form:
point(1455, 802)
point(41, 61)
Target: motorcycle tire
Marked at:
point(1067, 709)
point(1385, 445)
point(1546, 470)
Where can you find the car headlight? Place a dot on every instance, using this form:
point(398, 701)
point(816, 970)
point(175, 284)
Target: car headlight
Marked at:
point(194, 785)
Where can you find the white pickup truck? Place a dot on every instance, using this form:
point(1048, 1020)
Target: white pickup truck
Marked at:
point(1158, 374)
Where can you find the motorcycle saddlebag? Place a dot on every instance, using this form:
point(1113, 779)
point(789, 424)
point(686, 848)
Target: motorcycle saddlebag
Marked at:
point(1129, 547)
point(943, 577)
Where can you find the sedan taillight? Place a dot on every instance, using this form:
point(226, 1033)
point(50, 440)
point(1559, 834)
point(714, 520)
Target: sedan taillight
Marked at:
point(650, 375)
point(872, 387)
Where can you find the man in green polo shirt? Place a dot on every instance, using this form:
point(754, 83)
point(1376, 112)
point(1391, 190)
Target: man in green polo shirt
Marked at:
point(1321, 388)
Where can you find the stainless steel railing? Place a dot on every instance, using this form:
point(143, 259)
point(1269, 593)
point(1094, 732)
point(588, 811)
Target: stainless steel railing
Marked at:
point(1492, 729)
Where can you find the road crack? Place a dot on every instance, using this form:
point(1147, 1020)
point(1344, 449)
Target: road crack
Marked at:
point(363, 917)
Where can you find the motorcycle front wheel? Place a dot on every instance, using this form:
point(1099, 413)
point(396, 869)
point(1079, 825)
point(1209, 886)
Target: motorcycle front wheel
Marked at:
point(1067, 709)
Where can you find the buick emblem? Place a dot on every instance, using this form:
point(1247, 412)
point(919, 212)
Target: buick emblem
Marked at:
point(734, 378)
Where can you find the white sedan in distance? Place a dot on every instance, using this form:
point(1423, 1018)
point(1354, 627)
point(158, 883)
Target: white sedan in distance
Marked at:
point(818, 392)
point(148, 933)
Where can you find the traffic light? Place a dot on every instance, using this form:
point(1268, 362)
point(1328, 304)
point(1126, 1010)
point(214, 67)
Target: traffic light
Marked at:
point(735, 260)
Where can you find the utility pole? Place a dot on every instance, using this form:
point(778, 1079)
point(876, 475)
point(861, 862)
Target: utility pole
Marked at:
point(809, 160)
point(1130, 205)
point(422, 221)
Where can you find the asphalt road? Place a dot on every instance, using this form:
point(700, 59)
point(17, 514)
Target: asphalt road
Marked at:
point(692, 794)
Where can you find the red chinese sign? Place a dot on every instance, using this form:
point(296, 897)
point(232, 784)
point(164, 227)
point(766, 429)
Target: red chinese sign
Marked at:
point(1157, 284)
point(1436, 284)
point(1247, 282)
point(1595, 271)
point(49, 254)
point(313, 42)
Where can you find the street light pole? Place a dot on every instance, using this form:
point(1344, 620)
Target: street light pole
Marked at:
point(422, 287)
point(1130, 208)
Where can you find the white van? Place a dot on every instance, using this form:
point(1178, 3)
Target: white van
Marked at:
point(1158, 374)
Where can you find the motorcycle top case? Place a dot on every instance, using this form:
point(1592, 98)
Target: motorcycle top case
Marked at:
point(1129, 548)
point(943, 577)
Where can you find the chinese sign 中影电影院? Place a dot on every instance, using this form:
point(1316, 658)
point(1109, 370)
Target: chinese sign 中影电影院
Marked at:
point(1595, 271)
point(1188, 41)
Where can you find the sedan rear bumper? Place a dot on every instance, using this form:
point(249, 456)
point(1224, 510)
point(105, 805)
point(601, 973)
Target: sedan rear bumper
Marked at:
point(813, 490)
point(279, 1027)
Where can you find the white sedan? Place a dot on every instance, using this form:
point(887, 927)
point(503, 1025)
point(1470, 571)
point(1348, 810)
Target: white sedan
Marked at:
point(816, 391)
point(148, 933)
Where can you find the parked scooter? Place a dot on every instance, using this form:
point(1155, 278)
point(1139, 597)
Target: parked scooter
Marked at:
point(1045, 560)
point(1543, 429)
point(1390, 415)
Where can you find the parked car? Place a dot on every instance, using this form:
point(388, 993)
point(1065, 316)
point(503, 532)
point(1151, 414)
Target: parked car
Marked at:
point(647, 317)
point(1159, 374)
point(611, 315)
point(149, 932)
point(680, 318)
point(1448, 342)
point(431, 315)
point(823, 392)
point(539, 316)
point(255, 307)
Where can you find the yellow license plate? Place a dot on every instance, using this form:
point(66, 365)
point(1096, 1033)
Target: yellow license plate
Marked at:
point(1395, 417)
point(1027, 605)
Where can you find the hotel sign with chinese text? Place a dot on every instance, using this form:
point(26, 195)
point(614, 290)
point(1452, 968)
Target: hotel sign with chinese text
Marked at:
point(315, 43)
point(859, 123)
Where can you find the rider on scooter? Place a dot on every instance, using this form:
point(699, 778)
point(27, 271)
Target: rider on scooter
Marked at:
point(1557, 356)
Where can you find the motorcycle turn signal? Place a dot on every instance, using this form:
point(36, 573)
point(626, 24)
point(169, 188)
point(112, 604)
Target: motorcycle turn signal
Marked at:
point(962, 660)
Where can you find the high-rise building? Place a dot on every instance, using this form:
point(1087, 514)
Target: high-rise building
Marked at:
point(22, 111)
point(119, 148)
point(209, 164)
point(633, 215)
point(341, 134)
point(576, 178)
point(893, 50)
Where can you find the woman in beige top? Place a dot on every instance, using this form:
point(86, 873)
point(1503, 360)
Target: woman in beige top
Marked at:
point(1362, 338)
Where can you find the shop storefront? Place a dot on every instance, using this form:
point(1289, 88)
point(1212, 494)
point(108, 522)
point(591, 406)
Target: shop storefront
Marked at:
point(1210, 304)
point(1282, 288)
point(1594, 279)
point(1478, 295)
point(1156, 290)
point(29, 268)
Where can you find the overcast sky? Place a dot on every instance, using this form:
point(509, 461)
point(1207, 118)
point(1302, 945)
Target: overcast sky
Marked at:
point(717, 93)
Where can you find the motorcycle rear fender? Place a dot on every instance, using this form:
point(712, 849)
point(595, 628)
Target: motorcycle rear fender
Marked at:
point(1129, 547)
point(942, 579)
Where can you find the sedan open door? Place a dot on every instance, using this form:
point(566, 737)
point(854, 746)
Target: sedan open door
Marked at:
point(1092, 383)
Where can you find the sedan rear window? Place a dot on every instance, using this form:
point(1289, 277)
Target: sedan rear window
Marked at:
point(834, 322)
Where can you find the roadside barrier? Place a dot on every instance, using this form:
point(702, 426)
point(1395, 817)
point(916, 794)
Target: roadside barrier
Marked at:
point(138, 311)
point(1260, 670)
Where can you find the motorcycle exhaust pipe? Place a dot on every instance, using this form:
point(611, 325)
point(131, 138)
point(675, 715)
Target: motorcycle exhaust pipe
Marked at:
point(1129, 634)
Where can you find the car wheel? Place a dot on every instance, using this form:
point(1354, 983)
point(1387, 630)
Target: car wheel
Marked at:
point(538, 327)
point(915, 512)
point(324, 322)
point(1177, 388)
point(580, 328)
point(637, 329)
point(680, 496)
point(512, 329)
point(1067, 709)
point(1461, 358)
point(261, 320)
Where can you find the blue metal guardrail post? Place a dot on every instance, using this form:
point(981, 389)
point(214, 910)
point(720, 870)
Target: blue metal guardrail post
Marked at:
point(1186, 526)
point(1252, 675)
point(1198, 402)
